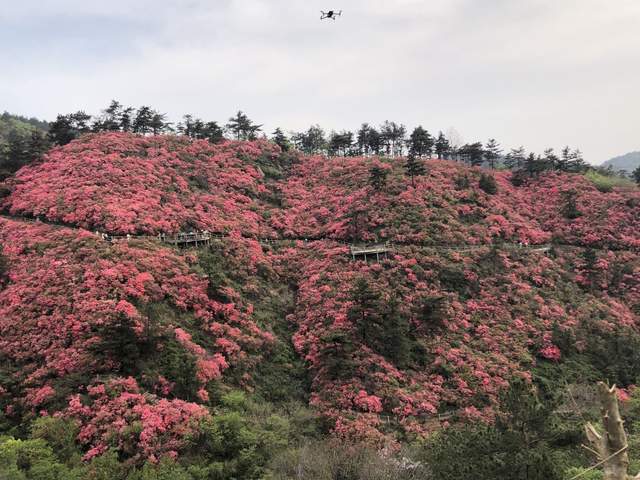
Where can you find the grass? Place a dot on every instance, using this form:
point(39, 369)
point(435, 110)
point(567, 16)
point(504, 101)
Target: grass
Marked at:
point(606, 183)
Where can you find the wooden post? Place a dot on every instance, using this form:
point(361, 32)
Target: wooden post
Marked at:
point(610, 447)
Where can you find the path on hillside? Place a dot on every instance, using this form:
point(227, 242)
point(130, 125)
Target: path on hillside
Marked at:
point(202, 237)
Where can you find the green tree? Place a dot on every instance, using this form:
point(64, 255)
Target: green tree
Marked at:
point(420, 142)
point(110, 118)
point(492, 152)
point(392, 136)
point(368, 140)
point(242, 128)
point(143, 122)
point(340, 143)
point(488, 184)
point(394, 338)
point(636, 175)
point(212, 132)
point(158, 123)
point(68, 127)
point(472, 153)
point(515, 158)
point(378, 177)
point(550, 159)
point(365, 310)
point(415, 167)
point(519, 446)
point(569, 207)
point(442, 146)
point(312, 141)
point(280, 139)
point(126, 122)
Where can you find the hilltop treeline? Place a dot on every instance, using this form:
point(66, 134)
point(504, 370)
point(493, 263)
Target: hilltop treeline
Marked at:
point(388, 139)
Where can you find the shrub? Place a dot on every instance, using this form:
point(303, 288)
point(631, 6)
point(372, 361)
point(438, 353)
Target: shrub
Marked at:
point(488, 184)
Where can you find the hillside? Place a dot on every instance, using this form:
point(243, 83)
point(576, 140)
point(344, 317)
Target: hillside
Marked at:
point(21, 141)
point(274, 334)
point(629, 162)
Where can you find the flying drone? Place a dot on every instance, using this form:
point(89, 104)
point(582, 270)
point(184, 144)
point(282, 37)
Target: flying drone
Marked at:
point(330, 14)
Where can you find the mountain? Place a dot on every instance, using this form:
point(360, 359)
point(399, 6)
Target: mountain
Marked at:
point(628, 162)
point(248, 355)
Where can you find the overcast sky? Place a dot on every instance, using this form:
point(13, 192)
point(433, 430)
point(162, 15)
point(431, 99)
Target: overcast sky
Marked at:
point(532, 72)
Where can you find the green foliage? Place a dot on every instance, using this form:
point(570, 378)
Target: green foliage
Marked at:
point(606, 183)
point(4, 268)
point(519, 445)
point(488, 184)
point(569, 207)
point(381, 325)
point(462, 182)
point(31, 460)
point(241, 438)
point(61, 435)
point(280, 139)
point(22, 141)
point(378, 177)
point(167, 469)
point(242, 128)
point(414, 167)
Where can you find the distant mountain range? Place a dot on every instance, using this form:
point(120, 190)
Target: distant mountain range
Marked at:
point(628, 162)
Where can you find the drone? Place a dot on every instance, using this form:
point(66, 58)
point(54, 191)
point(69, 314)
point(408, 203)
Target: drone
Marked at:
point(330, 14)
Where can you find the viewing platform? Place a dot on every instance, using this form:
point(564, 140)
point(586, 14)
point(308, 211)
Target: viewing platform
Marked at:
point(365, 251)
point(187, 239)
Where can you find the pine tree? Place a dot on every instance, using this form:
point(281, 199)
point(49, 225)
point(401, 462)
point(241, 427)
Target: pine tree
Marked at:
point(564, 162)
point(110, 118)
point(280, 139)
point(126, 123)
point(569, 206)
point(143, 121)
point(158, 124)
point(340, 143)
point(365, 310)
point(368, 140)
point(393, 136)
point(242, 128)
point(394, 336)
point(488, 184)
point(312, 141)
point(378, 177)
point(550, 159)
point(68, 127)
point(515, 158)
point(492, 152)
point(576, 162)
point(442, 146)
point(37, 146)
point(414, 167)
point(472, 153)
point(420, 142)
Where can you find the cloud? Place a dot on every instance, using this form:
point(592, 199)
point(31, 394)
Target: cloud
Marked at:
point(533, 72)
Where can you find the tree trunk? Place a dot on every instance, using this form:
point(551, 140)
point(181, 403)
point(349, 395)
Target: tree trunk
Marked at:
point(611, 446)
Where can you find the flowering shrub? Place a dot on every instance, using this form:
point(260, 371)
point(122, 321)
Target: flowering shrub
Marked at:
point(140, 425)
point(428, 330)
point(122, 183)
point(78, 306)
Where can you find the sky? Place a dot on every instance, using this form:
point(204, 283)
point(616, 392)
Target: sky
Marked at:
point(538, 73)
